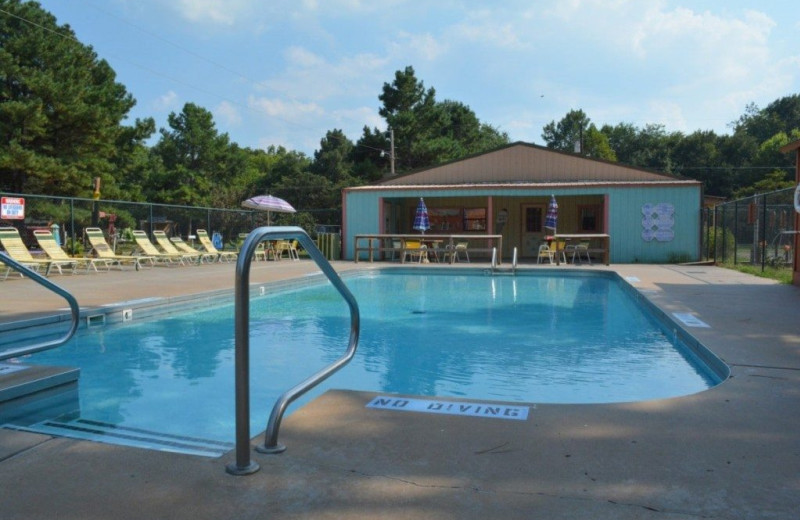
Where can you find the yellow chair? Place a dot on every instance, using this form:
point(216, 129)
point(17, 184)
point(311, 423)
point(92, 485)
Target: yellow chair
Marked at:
point(551, 251)
point(545, 253)
point(51, 248)
point(579, 250)
point(561, 246)
point(208, 246)
point(453, 252)
point(101, 248)
point(182, 246)
point(414, 249)
point(169, 247)
point(15, 248)
point(144, 245)
point(286, 246)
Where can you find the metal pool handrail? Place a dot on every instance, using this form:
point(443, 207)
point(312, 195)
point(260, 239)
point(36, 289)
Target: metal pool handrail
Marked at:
point(495, 267)
point(73, 307)
point(244, 465)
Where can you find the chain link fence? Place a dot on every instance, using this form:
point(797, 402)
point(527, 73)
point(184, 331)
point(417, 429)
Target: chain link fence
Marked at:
point(757, 230)
point(68, 217)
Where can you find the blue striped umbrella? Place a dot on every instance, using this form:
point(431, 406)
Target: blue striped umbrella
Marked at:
point(421, 221)
point(551, 220)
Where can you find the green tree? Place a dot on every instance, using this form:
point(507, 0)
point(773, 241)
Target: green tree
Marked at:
point(195, 158)
point(427, 132)
point(334, 159)
point(60, 108)
point(576, 133)
point(567, 134)
point(782, 115)
point(768, 159)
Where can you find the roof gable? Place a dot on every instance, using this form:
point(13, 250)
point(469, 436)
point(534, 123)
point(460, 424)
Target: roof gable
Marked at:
point(525, 163)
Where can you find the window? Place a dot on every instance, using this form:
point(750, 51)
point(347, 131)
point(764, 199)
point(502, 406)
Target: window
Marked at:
point(475, 219)
point(533, 219)
point(589, 218)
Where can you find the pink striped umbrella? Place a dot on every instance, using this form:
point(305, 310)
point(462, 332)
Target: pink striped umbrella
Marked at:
point(269, 204)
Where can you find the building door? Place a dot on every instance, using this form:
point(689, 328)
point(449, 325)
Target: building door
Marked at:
point(532, 232)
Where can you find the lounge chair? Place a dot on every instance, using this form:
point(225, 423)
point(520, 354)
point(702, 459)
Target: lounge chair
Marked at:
point(209, 247)
point(180, 245)
point(144, 245)
point(15, 248)
point(101, 248)
point(51, 248)
point(170, 249)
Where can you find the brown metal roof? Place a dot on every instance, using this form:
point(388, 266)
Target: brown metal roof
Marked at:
point(791, 146)
point(525, 163)
point(524, 185)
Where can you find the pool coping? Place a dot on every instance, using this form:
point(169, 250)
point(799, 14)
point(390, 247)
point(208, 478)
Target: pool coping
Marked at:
point(728, 452)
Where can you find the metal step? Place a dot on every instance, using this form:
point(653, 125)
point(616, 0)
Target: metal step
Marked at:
point(84, 429)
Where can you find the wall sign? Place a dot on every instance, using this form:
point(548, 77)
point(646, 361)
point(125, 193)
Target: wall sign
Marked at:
point(657, 222)
point(12, 208)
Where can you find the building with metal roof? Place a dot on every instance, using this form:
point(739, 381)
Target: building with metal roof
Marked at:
point(650, 217)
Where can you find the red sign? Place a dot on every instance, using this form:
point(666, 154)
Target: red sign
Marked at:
point(12, 208)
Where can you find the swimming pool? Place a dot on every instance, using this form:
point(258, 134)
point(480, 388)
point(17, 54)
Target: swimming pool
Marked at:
point(540, 338)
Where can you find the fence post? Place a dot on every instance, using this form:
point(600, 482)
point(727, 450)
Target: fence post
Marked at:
point(724, 245)
point(735, 232)
point(763, 239)
point(72, 225)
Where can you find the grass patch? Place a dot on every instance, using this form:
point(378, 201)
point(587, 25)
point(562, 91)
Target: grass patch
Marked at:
point(780, 274)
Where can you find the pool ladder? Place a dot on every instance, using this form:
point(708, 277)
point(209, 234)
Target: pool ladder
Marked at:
point(244, 465)
point(74, 310)
point(496, 267)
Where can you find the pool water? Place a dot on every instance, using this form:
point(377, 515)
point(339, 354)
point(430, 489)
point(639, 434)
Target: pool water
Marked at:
point(527, 338)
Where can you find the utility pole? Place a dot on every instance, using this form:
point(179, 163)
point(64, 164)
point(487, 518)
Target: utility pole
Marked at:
point(391, 149)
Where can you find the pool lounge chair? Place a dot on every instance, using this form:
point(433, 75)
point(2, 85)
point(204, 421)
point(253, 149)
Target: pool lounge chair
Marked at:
point(170, 249)
point(51, 248)
point(101, 248)
point(180, 245)
point(15, 248)
point(209, 247)
point(144, 245)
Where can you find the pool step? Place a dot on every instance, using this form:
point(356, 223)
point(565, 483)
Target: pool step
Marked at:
point(97, 431)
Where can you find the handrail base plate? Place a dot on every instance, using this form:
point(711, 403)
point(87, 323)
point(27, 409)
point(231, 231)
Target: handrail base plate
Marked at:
point(271, 450)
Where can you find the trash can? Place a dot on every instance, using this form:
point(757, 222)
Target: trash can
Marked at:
point(216, 239)
point(54, 229)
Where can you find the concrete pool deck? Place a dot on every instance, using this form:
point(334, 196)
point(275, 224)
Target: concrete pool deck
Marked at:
point(732, 452)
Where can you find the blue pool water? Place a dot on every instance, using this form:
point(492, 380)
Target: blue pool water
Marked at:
point(529, 338)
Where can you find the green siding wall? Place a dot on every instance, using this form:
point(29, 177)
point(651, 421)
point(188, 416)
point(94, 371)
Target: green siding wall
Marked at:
point(363, 213)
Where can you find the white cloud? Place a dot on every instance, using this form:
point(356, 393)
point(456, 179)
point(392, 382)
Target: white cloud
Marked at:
point(166, 102)
point(288, 110)
point(228, 114)
point(309, 76)
point(423, 46)
point(300, 57)
point(206, 11)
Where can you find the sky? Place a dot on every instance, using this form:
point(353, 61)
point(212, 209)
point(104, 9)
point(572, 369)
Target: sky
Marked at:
point(284, 73)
